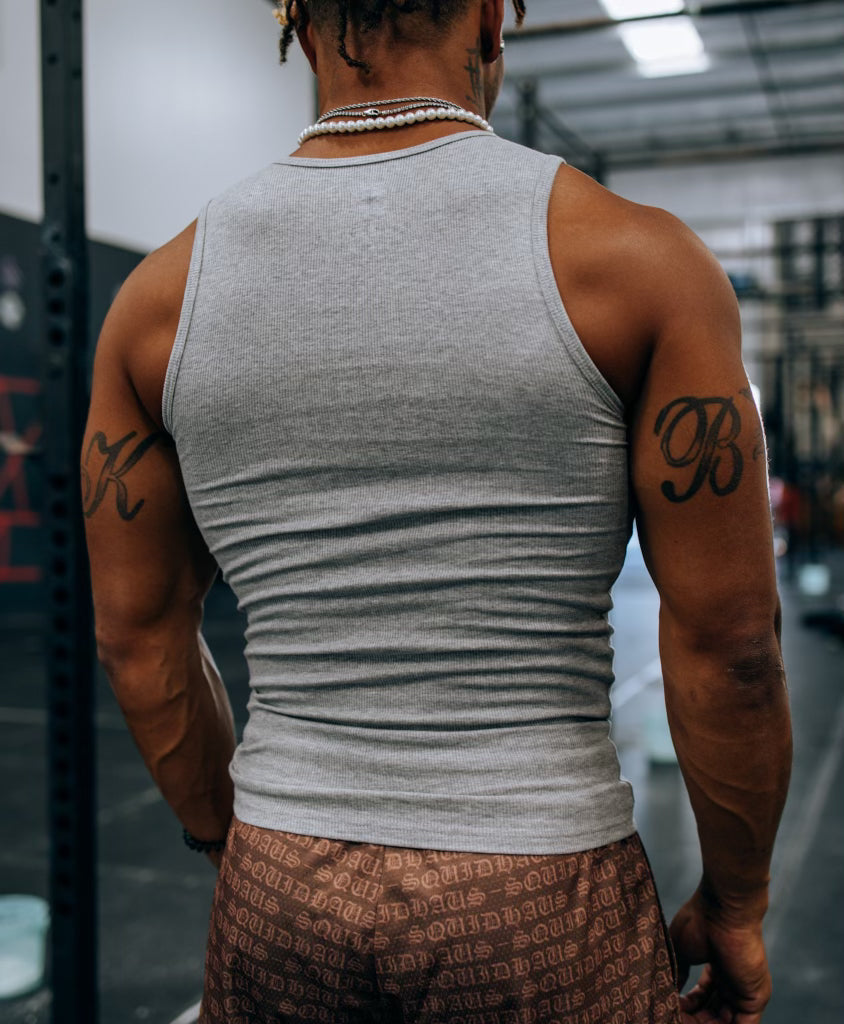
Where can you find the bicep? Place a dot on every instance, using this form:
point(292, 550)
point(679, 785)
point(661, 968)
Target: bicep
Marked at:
point(148, 561)
point(699, 470)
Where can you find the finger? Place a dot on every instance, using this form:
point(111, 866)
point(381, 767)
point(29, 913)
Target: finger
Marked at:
point(698, 996)
point(692, 1001)
point(702, 1016)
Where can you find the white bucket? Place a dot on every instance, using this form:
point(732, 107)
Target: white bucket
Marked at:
point(24, 921)
point(814, 579)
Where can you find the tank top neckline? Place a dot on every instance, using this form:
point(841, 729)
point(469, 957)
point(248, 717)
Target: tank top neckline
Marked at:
point(372, 158)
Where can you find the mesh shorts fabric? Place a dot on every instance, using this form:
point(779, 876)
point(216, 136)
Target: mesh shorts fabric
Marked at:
point(310, 929)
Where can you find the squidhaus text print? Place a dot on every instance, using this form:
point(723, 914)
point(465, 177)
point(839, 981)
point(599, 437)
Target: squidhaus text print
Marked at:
point(307, 925)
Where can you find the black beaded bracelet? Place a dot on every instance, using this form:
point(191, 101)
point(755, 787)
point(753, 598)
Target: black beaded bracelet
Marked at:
point(203, 845)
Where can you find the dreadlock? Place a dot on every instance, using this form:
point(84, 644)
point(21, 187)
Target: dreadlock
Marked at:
point(367, 15)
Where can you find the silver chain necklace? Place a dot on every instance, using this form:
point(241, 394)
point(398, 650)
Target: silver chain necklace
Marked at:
point(376, 115)
point(372, 108)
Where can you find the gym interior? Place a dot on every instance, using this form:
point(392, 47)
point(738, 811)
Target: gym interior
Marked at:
point(118, 122)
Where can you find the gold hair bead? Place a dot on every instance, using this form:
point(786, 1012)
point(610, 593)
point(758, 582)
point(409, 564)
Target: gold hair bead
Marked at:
point(280, 13)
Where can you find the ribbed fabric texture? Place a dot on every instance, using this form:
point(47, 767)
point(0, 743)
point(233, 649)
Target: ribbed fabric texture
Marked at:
point(415, 480)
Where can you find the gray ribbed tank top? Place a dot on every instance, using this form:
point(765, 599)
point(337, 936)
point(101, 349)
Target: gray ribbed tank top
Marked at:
point(415, 480)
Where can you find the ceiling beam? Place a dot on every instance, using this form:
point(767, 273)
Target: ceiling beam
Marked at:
point(595, 134)
point(830, 46)
point(770, 87)
point(685, 96)
point(731, 8)
point(697, 152)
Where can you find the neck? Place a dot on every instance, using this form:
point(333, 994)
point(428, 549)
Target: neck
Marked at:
point(452, 73)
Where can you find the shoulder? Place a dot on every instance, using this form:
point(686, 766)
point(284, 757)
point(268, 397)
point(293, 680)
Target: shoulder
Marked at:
point(630, 276)
point(641, 248)
point(139, 331)
point(156, 286)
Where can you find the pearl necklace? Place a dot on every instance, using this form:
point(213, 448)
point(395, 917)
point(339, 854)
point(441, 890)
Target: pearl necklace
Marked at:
point(372, 116)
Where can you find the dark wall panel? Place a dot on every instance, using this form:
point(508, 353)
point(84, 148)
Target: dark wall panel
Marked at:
point(20, 401)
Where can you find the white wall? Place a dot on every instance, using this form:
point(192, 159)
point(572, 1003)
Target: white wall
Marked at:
point(749, 191)
point(20, 110)
point(182, 99)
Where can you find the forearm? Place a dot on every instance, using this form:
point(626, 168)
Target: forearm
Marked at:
point(179, 714)
point(728, 710)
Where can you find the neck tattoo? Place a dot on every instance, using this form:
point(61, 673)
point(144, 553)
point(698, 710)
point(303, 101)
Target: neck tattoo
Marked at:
point(376, 115)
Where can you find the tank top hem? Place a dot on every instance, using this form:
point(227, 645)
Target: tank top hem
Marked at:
point(364, 828)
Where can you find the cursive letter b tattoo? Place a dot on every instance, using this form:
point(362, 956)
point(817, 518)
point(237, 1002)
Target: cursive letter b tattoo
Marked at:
point(110, 472)
point(701, 432)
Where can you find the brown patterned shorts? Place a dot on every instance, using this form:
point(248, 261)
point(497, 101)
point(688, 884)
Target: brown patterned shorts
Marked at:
point(307, 929)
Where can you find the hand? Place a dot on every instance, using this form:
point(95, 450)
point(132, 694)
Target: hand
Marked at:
point(735, 984)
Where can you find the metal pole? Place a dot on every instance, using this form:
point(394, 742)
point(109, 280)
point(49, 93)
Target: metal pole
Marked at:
point(565, 134)
point(819, 290)
point(529, 113)
point(70, 657)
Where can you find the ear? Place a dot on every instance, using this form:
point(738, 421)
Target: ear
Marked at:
point(305, 33)
point(492, 27)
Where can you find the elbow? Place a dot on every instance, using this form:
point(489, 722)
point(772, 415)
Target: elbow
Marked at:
point(125, 659)
point(749, 654)
point(743, 628)
point(112, 650)
point(147, 672)
point(741, 653)
point(130, 632)
point(753, 668)
point(119, 646)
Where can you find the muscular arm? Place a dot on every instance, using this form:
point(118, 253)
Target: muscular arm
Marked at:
point(150, 568)
point(699, 477)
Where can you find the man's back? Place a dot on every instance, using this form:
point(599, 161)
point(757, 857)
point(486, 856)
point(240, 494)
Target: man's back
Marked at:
point(415, 480)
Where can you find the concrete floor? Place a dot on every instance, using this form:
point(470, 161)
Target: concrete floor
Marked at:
point(155, 895)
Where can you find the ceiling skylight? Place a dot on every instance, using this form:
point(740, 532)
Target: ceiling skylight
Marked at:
point(620, 9)
point(665, 46)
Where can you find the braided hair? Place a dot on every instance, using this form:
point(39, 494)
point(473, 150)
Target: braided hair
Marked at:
point(368, 14)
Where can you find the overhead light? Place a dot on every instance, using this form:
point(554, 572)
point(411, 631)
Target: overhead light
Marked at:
point(621, 9)
point(669, 47)
point(665, 46)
